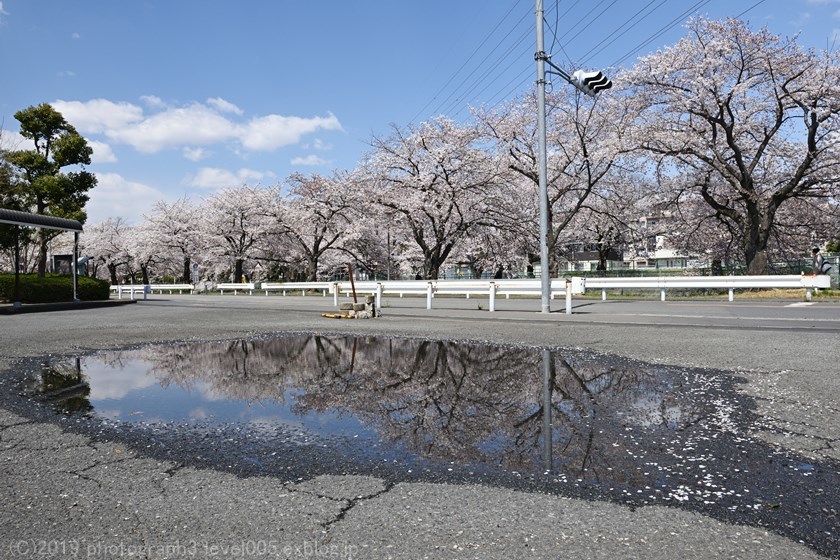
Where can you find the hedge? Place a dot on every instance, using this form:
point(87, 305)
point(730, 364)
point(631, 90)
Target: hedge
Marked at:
point(52, 288)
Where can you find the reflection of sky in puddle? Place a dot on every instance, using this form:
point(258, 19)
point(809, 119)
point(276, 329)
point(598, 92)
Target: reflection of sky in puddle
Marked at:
point(127, 387)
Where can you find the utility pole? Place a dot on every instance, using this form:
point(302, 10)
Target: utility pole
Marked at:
point(589, 83)
point(542, 164)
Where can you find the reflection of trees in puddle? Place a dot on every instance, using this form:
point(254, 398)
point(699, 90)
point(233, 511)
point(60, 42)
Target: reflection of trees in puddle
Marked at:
point(484, 404)
point(452, 401)
point(64, 386)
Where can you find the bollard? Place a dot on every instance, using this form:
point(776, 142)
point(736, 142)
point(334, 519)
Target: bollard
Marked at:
point(731, 294)
point(429, 295)
point(378, 296)
point(492, 305)
point(568, 296)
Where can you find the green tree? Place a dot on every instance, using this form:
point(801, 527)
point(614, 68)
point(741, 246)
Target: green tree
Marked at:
point(40, 180)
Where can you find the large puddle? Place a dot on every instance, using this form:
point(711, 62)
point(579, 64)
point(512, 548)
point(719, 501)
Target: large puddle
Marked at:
point(574, 414)
point(570, 421)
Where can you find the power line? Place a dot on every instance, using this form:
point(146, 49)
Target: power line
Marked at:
point(452, 77)
point(557, 24)
point(615, 36)
point(760, 2)
point(480, 80)
point(677, 20)
point(524, 77)
point(446, 102)
point(515, 49)
point(475, 84)
point(592, 21)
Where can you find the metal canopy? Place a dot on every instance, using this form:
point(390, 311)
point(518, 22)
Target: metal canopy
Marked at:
point(17, 218)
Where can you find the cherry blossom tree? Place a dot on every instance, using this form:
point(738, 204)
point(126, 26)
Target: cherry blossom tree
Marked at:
point(234, 221)
point(437, 182)
point(751, 119)
point(585, 139)
point(315, 216)
point(108, 242)
point(173, 229)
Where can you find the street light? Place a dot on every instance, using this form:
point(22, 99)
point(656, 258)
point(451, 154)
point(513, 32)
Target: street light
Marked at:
point(589, 83)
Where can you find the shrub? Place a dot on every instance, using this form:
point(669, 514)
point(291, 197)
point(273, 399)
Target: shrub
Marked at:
point(52, 288)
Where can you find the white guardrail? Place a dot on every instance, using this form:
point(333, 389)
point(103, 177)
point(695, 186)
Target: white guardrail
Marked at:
point(131, 290)
point(533, 287)
point(730, 283)
point(146, 289)
point(519, 287)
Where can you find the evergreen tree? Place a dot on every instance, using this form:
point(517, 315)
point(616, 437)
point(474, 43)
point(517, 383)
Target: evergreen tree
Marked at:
point(40, 181)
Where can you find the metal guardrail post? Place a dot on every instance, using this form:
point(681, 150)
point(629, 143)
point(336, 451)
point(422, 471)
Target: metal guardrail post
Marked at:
point(492, 305)
point(335, 286)
point(568, 296)
point(378, 296)
point(429, 295)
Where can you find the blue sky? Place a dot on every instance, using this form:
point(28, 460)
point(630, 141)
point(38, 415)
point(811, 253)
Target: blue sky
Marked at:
point(185, 97)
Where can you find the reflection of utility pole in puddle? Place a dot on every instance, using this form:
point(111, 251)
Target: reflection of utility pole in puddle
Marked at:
point(548, 390)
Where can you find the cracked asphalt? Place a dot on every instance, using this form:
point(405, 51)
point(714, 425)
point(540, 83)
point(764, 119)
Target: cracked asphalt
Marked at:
point(68, 493)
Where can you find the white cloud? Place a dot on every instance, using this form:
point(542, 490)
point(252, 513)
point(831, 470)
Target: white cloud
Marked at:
point(275, 131)
point(114, 196)
point(175, 127)
point(102, 152)
point(312, 160)
point(224, 106)
point(13, 140)
point(195, 154)
point(217, 178)
point(98, 115)
point(189, 127)
point(115, 383)
point(319, 144)
point(76, 36)
point(66, 74)
point(153, 101)
point(2, 11)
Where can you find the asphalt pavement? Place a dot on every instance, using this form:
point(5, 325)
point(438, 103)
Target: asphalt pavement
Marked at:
point(71, 491)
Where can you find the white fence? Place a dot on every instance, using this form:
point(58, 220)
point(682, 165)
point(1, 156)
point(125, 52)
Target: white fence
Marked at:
point(491, 289)
point(131, 289)
point(730, 283)
point(559, 286)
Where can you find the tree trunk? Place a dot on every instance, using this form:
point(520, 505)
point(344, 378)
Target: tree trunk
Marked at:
point(112, 270)
point(144, 271)
point(42, 252)
point(312, 270)
point(16, 298)
point(237, 270)
point(755, 240)
point(432, 270)
point(187, 270)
